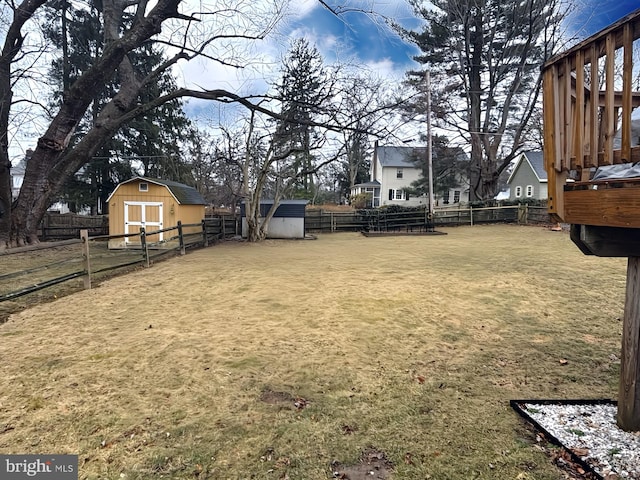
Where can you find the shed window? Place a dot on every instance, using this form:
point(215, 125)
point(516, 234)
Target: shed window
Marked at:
point(456, 196)
point(518, 191)
point(399, 173)
point(445, 197)
point(143, 187)
point(399, 194)
point(529, 190)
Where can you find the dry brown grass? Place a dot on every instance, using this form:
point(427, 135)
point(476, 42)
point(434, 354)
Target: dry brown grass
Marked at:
point(410, 345)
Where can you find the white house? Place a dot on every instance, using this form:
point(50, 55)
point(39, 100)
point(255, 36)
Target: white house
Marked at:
point(17, 177)
point(17, 174)
point(528, 178)
point(393, 170)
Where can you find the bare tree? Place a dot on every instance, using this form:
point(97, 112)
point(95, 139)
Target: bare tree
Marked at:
point(209, 34)
point(209, 31)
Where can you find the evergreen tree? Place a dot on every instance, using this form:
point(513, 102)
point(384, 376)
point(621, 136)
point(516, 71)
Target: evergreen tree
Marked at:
point(449, 164)
point(302, 95)
point(485, 58)
point(149, 145)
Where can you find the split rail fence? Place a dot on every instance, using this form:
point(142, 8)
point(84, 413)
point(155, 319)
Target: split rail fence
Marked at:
point(87, 256)
point(382, 220)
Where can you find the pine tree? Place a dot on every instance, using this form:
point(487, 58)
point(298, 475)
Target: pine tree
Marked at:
point(450, 165)
point(301, 92)
point(148, 145)
point(485, 58)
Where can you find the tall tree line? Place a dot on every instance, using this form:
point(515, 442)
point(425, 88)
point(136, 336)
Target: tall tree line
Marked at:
point(485, 58)
point(148, 145)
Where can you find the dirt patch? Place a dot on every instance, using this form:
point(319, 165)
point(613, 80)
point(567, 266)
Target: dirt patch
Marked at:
point(283, 399)
point(276, 398)
point(372, 465)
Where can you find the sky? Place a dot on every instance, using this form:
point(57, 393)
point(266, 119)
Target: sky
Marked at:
point(591, 16)
point(365, 39)
point(353, 37)
point(350, 38)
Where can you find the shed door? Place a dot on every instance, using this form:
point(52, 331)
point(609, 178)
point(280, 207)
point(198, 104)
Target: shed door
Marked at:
point(142, 214)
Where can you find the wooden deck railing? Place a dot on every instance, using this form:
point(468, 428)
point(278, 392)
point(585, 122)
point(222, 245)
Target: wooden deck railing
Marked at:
point(588, 100)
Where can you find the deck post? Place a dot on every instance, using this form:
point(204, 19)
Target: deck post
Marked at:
point(629, 392)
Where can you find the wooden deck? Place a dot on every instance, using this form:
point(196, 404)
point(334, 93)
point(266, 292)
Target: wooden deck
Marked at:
point(584, 131)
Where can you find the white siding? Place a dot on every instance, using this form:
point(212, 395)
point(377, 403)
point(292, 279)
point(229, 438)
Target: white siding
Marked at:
point(389, 181)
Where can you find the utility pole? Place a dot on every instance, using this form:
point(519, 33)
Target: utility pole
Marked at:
point(427, 78)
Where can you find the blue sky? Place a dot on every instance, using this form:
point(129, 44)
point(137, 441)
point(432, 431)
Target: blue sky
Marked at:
point(592, 16)
point(364, 38)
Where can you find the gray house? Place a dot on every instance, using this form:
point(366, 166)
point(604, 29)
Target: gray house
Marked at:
point(528, 178)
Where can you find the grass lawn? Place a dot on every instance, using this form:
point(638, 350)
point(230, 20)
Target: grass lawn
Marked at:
point(273, 361)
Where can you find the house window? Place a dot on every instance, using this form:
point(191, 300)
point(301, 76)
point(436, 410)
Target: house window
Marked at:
point(143, 187)
point(399, 173)
point(445, 197)
point(396, 194)
point(518, 191)
point(456, 196)
point(529, 191)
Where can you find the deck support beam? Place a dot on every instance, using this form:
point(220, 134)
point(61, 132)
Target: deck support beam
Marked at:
point(629, 392)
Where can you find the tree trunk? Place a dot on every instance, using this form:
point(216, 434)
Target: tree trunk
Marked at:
point(475, 107)
point(51, 163)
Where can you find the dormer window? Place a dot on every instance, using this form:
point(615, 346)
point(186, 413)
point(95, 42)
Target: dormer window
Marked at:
point(143, 187)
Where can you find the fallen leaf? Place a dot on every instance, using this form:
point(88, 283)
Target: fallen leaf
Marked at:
point(420, 379)
point(581, 452)
point(408, 458)
point(563, 361)
point(282, 462)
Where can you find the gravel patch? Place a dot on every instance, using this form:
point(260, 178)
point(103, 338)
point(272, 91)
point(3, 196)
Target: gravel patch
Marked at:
point(591, 433)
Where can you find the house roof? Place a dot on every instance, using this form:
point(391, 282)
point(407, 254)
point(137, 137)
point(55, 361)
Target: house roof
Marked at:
point(373, 183)
point(184, 194)
point(399, 156)
point(535, 161)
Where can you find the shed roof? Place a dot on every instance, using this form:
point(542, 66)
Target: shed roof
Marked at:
point(536, 161)
point(286, 208)
point(184, 194)
point(399, 156)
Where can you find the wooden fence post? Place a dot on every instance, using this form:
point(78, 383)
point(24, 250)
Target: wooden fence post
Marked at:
point(143, 244)
point(471, 214)
point(181, 238)
point(84, 236)
point(205, 238)
point(224, 230)
point(45, 225)
point(629, 391)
